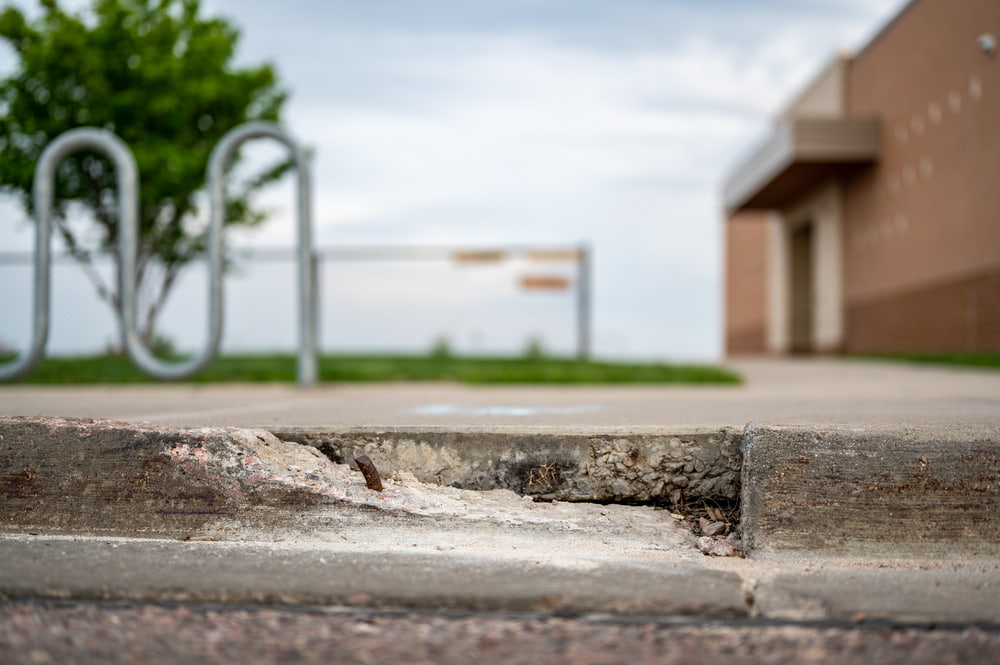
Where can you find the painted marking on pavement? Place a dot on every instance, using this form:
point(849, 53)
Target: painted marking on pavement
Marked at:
point(516, 411)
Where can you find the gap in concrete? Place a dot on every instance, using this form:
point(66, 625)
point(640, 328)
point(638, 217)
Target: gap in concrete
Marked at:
point(709, 516)
point(694, 474)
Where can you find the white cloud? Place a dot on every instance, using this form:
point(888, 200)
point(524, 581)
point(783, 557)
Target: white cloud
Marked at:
point(525, 120)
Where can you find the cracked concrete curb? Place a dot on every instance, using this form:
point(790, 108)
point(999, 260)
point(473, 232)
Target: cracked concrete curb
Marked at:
point(596, 464)
point(273, 521)
point(75, 475)
point(114, 477)
point(833, 489)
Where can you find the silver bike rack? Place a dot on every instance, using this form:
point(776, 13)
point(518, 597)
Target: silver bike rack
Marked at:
point(221, 155)
point(128, 193)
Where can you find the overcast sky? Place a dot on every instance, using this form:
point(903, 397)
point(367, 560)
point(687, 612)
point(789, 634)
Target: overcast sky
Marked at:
point(610, 122)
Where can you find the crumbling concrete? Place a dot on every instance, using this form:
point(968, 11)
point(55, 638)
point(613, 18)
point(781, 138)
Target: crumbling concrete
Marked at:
point(607, 464)
point(83, 474)
point(59, 475)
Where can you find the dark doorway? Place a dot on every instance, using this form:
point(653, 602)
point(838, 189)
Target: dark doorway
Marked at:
point(801, 311)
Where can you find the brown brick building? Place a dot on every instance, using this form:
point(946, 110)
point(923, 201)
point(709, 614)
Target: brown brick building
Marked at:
point(869, 220)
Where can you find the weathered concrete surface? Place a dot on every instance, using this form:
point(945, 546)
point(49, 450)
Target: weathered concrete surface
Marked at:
point(238, 516)
point(312, 574)
point(481, 567)
point(60, 475)
point(116, 477)
point(945, 595)
point(871, 490)
point(596, 464)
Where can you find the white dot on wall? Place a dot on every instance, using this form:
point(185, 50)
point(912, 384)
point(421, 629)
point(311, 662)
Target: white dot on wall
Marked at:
point(975, 88)
point(934, 112)
point(893, 183)
point(917, 125)
point(901, 134)
point(909, 174)
point(955, 101)
point(926, 166)
point(902, 223)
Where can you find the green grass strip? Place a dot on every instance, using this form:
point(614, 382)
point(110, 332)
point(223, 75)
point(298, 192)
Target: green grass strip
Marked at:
point(373, 368)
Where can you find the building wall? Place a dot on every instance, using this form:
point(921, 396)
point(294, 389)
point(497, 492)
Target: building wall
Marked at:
point(965, 316)
point(769, 308)
point(824, 96)
point(921, 233)
point(748, 241)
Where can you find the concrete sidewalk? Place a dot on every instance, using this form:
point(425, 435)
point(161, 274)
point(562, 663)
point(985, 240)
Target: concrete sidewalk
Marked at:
point(103, 510)
point(905, 488)
point(797, 391)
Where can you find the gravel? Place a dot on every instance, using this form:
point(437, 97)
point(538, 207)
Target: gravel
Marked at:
point(37, 633)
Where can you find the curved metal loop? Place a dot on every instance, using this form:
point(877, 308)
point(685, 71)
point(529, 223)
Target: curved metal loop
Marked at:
point(221, 156)
point(128, 194)
point(134, 346)
point(42, 197)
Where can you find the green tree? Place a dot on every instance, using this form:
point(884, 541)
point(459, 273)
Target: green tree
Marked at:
point(162, 78)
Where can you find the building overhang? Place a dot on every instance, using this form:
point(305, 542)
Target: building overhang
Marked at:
point(800, 154)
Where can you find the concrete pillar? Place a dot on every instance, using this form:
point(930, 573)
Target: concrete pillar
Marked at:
point(828, 262)
point(778, 291)
point(821, 209)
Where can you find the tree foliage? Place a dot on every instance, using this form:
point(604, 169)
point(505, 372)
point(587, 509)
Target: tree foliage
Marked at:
point(161, 77)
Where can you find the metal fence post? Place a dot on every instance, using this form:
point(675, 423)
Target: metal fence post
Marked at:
point(583, 303)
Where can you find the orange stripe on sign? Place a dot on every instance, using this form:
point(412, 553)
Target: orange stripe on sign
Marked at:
point(554, 255)
point(479, 256)
point(545, 282)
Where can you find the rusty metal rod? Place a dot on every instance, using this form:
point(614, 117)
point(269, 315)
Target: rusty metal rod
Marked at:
point(372, 479)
